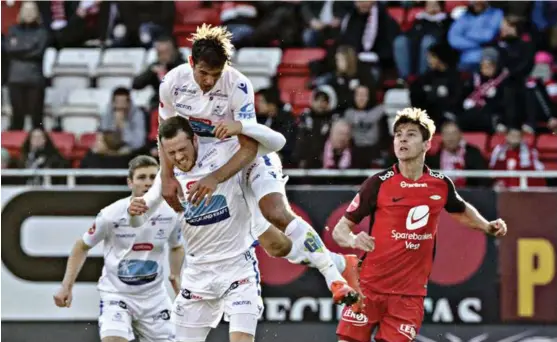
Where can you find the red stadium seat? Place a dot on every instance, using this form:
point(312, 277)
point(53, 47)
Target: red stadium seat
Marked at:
point(87, 140)
point(550, 165)
point(286, 96)
point(302, 98)
point(295, 61)
point(411, 16)
point(450, 5)
point(12, 141)
point(547, 146)
point(477, 139)
point(397, 13)
point(64, 142)
point(293, 83)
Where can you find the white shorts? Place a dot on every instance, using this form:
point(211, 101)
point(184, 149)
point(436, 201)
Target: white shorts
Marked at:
point(209, 291)
point(263, 177)
point(122, 315)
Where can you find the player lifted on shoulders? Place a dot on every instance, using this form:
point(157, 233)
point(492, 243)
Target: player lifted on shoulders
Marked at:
point(404, 203)
point(132, 291)
point(222, 275)
point(218, 101)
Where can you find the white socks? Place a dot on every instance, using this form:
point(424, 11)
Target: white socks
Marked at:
point(308, 248)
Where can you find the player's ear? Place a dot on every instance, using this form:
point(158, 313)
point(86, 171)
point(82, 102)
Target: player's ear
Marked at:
point(190, 60)
point(427, 145)
point(129, 181)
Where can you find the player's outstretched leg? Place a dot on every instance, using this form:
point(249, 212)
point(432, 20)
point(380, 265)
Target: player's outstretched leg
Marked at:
point(307, 247)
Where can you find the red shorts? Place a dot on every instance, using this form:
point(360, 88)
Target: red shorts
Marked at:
point(397, 317)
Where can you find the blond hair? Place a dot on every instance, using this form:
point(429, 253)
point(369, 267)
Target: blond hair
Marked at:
point(215, 36)
point(418, 117)
point(38, 19)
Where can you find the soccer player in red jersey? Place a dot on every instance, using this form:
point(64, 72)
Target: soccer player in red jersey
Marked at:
point(404, 204)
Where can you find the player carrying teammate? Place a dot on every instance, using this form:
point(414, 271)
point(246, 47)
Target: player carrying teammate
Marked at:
point(222, 275)
point(219, 101)
point(132, 291)
point(404, 203)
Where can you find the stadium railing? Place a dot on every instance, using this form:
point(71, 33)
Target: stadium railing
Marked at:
point(72, 174)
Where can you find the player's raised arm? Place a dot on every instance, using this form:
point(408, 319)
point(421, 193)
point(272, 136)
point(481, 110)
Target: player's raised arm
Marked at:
point(268, 139)
point(78, 255)
point(171, 189)
point(468, 215)
point(141, 208)
point(363, 205)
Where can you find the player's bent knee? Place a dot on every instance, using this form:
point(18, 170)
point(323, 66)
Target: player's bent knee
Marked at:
point(276, 210)
point(114, 336)
point(241, 337)
point(243, 325)
point(275, 242)
point(191, 334)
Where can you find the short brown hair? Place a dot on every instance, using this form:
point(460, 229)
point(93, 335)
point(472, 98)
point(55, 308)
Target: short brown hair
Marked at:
point(418, 117)
point(212, 45)
point(140, 162)
point(170, 128)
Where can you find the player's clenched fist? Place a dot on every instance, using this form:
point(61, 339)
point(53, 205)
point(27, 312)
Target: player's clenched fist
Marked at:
point(362, 241)
point(63, 298)
point(137, 207)
point(497, 228)
point(171, 192)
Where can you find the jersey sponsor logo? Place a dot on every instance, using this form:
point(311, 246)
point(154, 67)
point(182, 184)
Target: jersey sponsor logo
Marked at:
point(247, 111)
point(354, 204)
point(202, 127)
point(217, 93)
point(160, 219)
point(408, 330)
point(179, 310)
point(410, 236)
point(436, 174)
point(118, 303)
point(120, 223)
point(219, 109)
point(435, 197)
point(125, 235)
point(387, 175)
point(207, 155)
point(356, 319)
point(206, 214)
point(403, 184)
point(187, 294)
point(417, 217)
point(142, 247)
point(182, 106)
point(137, 272)
point(164, 315)
point(241, 302)
point(92, 230)
point(243, 87)
point(160, 234)
point(117, 317)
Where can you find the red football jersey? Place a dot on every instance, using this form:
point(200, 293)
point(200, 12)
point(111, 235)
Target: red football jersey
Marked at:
point(404, 218)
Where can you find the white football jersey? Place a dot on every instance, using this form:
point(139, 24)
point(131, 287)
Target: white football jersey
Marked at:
point(232, 98)
point(220, 230)
point(134, 257)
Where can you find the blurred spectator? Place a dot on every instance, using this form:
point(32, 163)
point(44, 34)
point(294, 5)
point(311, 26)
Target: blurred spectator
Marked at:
point(240, 18)
point(347, 75)
point(38, 152)
point(515, 154)
point(314, 127)
point(108, 152)
point(139, 23)
point(517, 56)
point(484, 106)
point(476, 28)
point(123, 117)
point(365, 119)
point(439, 90)
point(337, 152)
point(430, 27)
point(278, 116)
point(168, 57)
point(456, 154)
point(370, 30)
point(541, 93)
point(323, 20)
point(544, 18)
point(278, 21)
point(26, 43)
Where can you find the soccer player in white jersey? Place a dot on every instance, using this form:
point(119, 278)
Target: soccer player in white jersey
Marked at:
point(222, 276)
point(132, 291)
point(218, 101)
